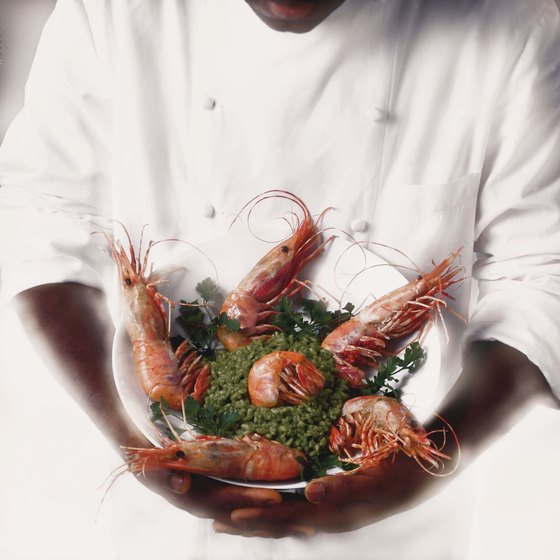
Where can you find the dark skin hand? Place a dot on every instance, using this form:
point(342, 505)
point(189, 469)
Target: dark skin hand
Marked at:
point(497, 386)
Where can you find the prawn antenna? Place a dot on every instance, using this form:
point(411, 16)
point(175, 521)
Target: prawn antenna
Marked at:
point(107, 484)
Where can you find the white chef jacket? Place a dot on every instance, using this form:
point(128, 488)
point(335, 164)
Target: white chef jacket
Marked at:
point(427, 126)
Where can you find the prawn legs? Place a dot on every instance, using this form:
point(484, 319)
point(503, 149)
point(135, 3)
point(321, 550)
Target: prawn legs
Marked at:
point(410, 308)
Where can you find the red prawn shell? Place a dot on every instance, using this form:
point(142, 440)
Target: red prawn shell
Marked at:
point(371, 429)
point(272, 277)
point(250, 458)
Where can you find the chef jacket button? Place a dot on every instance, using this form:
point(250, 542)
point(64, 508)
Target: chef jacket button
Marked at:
point(208, 211)
point(376, 114)
point(359, 226)
point(208, 103)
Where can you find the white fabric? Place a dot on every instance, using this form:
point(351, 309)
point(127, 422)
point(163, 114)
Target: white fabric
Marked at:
point(435, 124)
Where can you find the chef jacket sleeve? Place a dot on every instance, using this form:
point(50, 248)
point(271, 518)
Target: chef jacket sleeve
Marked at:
point(54, 162)
point(518, 223)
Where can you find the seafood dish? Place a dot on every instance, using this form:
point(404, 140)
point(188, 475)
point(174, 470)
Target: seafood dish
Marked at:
point(270, 386)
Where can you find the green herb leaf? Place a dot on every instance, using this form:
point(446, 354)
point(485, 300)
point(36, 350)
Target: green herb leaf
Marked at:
point(208, 420)
point(312, 320)
point(158, 409)
point(413, 356)
point(200, 329)
point(318, 467)
point(222, 320)
point(192, 409)
point(207, 289)
point(191, 319)
point(381, 384)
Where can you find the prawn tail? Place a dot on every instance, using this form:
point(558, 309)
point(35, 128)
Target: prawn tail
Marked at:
point(283, 378)
point(351, 373)
point(299, 382)
point(194, 373)
point(201, 384)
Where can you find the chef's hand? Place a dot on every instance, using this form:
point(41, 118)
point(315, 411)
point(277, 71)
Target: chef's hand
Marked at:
point(337, 503)
point(205, 497)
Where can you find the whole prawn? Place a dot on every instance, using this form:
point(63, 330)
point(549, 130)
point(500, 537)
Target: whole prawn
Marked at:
point(363, 338)
point(274, 276)
point(373, 428)
point(249, 458)
point(162, 372)
point(283, 378)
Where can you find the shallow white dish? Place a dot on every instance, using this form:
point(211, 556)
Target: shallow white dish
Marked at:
point(345, 271)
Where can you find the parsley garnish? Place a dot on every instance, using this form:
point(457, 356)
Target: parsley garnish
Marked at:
point(159, 409)
point(207, 289)
point(381, 383)
point(312, 320)
point(319, 466)
point(208, 420)
point(198, 322)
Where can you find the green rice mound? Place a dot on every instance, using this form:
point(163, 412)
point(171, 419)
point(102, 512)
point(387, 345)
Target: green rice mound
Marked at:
point(305, 426)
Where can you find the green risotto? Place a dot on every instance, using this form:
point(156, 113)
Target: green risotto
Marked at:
point(305, 426)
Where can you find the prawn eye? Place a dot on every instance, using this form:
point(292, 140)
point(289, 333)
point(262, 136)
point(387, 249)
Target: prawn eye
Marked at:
point(128, 282)
point(285, 249)
point(180, 454)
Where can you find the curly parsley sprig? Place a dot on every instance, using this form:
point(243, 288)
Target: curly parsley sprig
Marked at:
point(312, 320)
point(381, 384)
point(320, 466)
point(208, 420)
point(199, 323)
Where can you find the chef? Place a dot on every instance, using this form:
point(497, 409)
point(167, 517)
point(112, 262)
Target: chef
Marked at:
point(426, 126)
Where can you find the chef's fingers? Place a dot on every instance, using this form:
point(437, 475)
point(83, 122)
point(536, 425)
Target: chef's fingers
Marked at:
point(345, 488)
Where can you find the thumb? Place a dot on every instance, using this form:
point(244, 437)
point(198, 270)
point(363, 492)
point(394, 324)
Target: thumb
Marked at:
point(346, 487)
point(166, 481)
point(179, 483)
